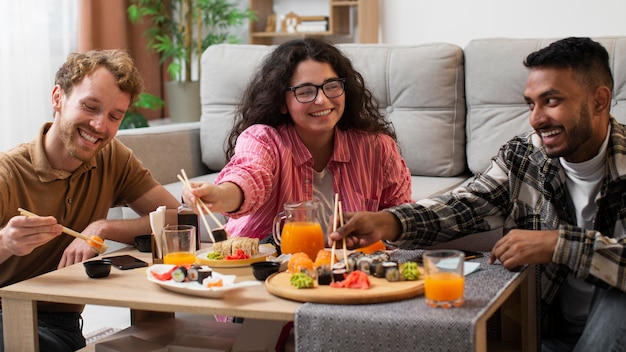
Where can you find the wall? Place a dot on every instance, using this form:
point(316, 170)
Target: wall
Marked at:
point(458, 21)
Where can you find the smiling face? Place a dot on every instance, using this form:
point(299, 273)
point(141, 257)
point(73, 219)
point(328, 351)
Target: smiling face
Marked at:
point(319, 117)
point(85, 120)
point(565, 114)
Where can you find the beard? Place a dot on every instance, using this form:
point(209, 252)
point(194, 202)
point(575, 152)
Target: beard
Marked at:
point(577, 135)
point(72, 144)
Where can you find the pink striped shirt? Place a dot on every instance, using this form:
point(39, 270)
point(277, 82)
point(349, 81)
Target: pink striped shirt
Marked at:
point(272, 166)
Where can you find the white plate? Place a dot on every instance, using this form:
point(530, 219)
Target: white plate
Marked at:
point(195, 288)
point(265, 250)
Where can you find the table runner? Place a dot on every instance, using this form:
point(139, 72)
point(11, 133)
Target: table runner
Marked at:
point(408, 325)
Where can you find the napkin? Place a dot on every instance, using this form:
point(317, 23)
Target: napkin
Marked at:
point(157, 223)
point(470, 267)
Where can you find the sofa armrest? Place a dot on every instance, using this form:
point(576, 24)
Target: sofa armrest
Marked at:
point(166, 149)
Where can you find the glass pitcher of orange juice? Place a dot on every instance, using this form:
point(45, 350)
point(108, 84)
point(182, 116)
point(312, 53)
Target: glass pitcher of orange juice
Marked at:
point(301, 231)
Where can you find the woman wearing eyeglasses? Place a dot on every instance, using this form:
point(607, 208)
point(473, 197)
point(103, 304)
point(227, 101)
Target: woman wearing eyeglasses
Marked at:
point(307, 127)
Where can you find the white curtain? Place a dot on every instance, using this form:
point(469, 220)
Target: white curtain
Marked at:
point(35, 38)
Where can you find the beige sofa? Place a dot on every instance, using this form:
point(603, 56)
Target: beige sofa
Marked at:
point(452, 107)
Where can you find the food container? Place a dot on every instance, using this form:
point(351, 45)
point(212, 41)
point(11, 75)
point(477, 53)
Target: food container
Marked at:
point(144, 243)
point(262, 270)
point(97, 268)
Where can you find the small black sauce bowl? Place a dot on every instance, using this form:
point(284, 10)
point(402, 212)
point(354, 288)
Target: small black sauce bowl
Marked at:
point(144, 243)
point(262, 270)
point(97, 268)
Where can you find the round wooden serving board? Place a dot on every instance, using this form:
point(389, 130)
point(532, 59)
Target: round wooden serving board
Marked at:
point(380, 291)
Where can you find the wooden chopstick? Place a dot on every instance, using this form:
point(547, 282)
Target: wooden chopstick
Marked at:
point(102, 248)
point(332, 250)
point(199, 205)
point(208, 211)
point(65, 229)
point(345, 251)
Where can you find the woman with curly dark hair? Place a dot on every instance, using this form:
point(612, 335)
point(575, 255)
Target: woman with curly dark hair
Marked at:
point(307, 128)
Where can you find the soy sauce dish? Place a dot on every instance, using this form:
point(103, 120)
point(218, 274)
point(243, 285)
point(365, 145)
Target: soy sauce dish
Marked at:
point(262, 270)
point(97, 268)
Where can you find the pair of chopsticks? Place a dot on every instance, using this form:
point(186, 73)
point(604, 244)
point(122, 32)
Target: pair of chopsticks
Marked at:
point(102, 247)
point(201, 206)
point(338, 213)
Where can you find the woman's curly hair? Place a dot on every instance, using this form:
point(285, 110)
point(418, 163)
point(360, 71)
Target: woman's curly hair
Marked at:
point(264, 97)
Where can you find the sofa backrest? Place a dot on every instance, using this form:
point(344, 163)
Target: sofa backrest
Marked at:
point(420, 88)
point(495, 78)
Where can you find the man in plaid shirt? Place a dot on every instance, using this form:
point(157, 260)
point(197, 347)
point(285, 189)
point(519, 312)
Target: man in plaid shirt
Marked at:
point(561, 192)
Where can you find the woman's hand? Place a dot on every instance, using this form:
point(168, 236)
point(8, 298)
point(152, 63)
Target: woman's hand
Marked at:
point(223, 198)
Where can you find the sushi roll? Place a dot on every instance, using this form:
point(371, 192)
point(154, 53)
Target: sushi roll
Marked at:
point(392, 272)
point(324, 275)
point(377, 269)
point(339, 274)
point(364, 263)
point(192, 273)
point(179, 274)
point(204, 272)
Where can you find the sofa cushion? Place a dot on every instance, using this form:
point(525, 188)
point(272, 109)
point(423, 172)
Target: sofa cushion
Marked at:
point(420, 88)
point(495, 78)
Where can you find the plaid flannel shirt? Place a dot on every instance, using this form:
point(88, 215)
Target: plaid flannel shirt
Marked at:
point(525, 189)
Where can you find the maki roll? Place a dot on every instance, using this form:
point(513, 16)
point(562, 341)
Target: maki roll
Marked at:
point(179, 274)
point(339, 274)
point(377, 269)
point(364, 263)
point(392, 272)
point(324, 275)
point(198, 273)
point(204, 272)
point(192, 273)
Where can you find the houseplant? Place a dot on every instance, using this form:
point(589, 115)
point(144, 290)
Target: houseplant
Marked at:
point(134, 118)
point(179, 31)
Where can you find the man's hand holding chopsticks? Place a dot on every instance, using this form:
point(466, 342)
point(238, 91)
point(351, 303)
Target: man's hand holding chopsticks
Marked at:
point(23, 234)
point(361, 229)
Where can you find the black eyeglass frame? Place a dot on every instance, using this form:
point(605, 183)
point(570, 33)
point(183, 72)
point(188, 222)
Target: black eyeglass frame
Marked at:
point(317, 89)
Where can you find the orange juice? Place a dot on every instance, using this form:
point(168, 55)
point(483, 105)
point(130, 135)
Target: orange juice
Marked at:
point(304, 237)
point(444, 287)
point(179, 258)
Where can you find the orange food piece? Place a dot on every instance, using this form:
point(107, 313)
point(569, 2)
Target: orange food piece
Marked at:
point(96, 242)
point(238, 255)
point(216, 283)
point(299, 262)
point(374, 247)
point(323, 258)
point(356, 279)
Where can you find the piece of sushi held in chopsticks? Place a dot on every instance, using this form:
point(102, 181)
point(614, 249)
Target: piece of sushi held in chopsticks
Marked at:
point(94, 242)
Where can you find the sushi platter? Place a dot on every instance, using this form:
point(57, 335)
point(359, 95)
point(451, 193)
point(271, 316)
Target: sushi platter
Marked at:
point(380, 291)
point(265, 250)
point(195, 288)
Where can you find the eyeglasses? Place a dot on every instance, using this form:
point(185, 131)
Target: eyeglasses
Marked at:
point(306, 93)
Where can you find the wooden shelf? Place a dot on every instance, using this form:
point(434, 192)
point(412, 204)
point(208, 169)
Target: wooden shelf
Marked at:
point(343, 24)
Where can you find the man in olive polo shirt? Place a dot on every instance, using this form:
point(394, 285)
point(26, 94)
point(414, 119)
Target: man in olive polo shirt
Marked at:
point(71, 174)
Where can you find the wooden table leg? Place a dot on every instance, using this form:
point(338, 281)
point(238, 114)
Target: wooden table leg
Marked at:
point(19, 321)
point(137, 316)
point(529, 311)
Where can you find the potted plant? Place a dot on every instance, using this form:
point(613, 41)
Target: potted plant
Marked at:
point(134, 118)
point(179, 31)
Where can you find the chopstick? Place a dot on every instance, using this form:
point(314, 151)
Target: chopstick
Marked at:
point(332, 249)
point(219, 224)
point(338, 213)
point(200, 206)
point(345, 251)
point(89, 240)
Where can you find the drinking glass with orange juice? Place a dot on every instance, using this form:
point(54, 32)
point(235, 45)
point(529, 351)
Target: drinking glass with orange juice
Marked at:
point(179, 244)
point(301, 231)
point(444, 283)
